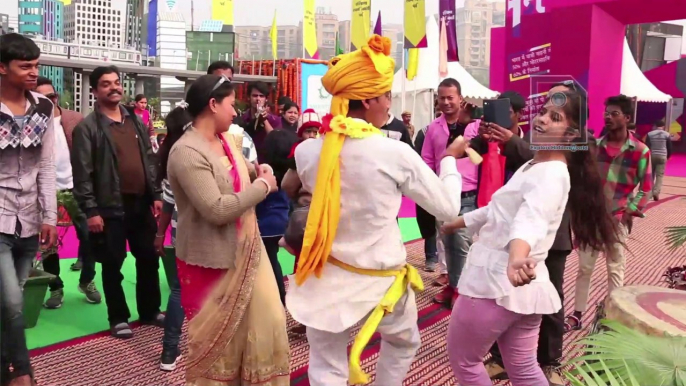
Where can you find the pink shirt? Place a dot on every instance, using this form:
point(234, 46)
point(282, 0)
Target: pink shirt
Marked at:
point(435, 143)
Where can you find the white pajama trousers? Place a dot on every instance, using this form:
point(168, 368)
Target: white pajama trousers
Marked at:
point(400, 341)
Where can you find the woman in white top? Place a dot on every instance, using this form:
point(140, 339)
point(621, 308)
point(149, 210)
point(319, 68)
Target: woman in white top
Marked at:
point(504, 287)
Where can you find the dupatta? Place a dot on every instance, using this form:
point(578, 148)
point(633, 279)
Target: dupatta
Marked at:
point(213, 328)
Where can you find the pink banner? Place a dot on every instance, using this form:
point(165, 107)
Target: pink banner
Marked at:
point(447, 11)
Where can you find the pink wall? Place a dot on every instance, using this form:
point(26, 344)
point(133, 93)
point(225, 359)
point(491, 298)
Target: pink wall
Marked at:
point(498, 65)
point(586, 43)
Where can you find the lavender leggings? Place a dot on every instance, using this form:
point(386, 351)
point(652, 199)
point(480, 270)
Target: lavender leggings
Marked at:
point(475, 325)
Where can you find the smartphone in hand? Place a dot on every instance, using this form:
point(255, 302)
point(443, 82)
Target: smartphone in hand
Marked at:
point(498, 111)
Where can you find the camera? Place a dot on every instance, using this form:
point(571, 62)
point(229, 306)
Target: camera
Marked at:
point(558, 99)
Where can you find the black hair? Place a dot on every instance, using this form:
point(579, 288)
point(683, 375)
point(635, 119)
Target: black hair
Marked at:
point(289, 104)
point(517, 101)
point(203, 90)
point(17, 47)
point(42, 81)
point(574, 86)
point(660, 123)
point(98, 73)
point(283, 100)
point(591, 218)
point(355, 105)
point(276, 149)
point(451, 82)
point(259, 86)
point(139, 97)
point(219, 65)
point(625, 104)
point(175, 121)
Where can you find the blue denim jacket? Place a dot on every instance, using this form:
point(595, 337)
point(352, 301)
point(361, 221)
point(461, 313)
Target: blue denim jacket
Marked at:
point(272, 214)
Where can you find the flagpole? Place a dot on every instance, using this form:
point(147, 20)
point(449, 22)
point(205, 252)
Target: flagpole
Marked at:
point(402, 85)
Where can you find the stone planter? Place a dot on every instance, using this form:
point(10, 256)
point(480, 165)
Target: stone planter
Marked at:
point(34, 295)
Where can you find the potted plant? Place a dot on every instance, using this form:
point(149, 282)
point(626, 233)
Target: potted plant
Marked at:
point(620, 356)
point(34, 294)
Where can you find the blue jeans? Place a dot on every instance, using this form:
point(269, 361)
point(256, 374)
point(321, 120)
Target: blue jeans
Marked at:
point(16, 259)
point(173, 321)
point(457, 245)
point(430, 250)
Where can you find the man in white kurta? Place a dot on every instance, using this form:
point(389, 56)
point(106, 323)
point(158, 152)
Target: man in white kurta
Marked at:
point(375, 173)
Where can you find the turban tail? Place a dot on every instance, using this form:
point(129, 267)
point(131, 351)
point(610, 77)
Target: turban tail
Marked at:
point(363, 74)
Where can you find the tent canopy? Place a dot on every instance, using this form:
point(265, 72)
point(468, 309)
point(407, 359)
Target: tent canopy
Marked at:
point(635, 84)
point(427, 76)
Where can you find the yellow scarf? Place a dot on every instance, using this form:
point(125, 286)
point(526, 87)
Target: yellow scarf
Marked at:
point(363, 74)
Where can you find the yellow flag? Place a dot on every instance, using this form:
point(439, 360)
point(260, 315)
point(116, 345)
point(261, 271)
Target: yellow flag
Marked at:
point(274, 35)
point(360, 23)
point(310, 31)
point(223, 10)
point(412, 63)
point(66, 2)
point(415, 24)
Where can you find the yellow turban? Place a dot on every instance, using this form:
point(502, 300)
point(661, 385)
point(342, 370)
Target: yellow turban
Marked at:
point(363, 74)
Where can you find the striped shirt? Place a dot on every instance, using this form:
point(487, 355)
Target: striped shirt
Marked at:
point(658, 141)
point(28, 192)
point(249, 151)
point(169, 203)
point(622, 173)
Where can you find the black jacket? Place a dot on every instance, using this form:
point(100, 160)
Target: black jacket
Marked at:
point(517, 152)
point(397, 126)
point(425, 221)
point(95, 170)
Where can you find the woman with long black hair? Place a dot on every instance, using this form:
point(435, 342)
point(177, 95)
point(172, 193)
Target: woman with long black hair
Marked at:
point(504, 287)
point(176, 122)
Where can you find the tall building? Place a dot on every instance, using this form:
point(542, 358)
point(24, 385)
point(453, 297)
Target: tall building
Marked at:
point(171, 53)
point(31, 17)
point(254, 41)
point(134, 23)
point(655, 44)
point(327, 28)
point(93, 23)
point(474, 23)
point(4, 23)
point(344, 34)
point(53, 29)
point(205, 47)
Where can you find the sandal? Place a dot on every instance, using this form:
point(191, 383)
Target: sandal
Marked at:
point(572, 327)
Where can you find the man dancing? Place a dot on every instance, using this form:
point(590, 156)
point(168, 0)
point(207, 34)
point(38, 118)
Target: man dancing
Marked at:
point(352, 242)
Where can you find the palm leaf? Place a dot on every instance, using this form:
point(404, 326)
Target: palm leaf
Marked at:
point(621, 356)
point(676, 237)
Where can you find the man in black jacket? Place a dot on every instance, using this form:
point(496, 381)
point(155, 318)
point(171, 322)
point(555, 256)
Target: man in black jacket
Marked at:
point(517, 151)
point(396, 129)
point(114, 186)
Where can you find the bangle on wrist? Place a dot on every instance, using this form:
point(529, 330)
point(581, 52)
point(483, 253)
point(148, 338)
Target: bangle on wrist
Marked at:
point(160, 236)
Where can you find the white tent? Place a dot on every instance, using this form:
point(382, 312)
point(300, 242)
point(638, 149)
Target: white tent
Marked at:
point(419, 97)
point(635, 84)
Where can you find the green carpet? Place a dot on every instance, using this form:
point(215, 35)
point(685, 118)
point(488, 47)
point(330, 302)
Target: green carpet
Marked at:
point(77, 318)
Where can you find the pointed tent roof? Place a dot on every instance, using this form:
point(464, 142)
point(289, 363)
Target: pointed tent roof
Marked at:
point(427, 75)
point(634, 82)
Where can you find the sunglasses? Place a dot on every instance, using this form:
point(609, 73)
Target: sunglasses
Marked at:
point(51, 96)
point(569, 83)
point(221, 81)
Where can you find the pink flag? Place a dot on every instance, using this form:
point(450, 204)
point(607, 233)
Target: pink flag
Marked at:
point(377, 27)
point(443, 51)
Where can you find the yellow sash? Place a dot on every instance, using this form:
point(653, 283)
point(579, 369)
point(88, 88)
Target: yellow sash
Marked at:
point(407, 275)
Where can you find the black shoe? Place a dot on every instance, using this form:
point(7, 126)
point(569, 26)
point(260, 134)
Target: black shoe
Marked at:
point(168, 360)
point(76, 266)
point(157, 321)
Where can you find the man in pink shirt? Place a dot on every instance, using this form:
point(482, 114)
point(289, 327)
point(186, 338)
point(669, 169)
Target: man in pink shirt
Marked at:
point(456, 120)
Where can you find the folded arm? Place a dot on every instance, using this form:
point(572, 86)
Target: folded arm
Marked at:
point(193, 173)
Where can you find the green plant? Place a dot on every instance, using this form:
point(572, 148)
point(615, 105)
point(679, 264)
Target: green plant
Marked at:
point(676, 237)
point(620, 356)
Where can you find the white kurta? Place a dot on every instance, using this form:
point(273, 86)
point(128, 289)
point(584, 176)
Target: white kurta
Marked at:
point(375, 173)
